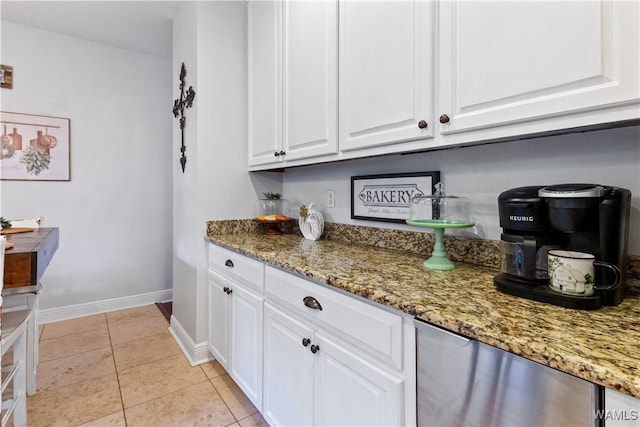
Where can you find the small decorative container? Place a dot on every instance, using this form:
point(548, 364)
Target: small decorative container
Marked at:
point(311, 222)
point(439, 212)
point(273, 206)
point(273, 212)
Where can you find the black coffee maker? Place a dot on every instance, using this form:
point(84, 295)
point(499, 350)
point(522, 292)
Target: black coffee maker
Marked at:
point(577, 217)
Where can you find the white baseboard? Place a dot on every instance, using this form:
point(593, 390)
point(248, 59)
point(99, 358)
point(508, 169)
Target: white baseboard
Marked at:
point(104, 306)
point(196, 354)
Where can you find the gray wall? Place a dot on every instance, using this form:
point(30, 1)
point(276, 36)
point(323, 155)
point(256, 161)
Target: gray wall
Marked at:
point(610, 157)
point(115, 213)
point(210, 38)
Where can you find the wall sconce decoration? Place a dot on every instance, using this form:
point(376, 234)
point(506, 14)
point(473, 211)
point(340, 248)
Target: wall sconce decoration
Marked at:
point(185, 101)
point(6, 76)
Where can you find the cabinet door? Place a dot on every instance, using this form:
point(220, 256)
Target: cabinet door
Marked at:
point(246, 342)
point(349, 390)
point(288, 369)
point(219, 305)
point(386, 81)
point(265, 81)
point(310, 73)
point(511, 68)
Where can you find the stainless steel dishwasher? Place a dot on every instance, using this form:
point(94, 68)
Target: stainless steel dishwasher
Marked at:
point(463, 382)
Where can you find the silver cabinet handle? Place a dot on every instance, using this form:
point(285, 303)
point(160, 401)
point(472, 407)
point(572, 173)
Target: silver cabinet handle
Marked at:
point(311, 302)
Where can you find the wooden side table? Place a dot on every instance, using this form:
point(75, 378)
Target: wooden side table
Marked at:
point(24, 265)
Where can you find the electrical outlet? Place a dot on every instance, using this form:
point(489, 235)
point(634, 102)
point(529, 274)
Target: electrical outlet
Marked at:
point(331, 199)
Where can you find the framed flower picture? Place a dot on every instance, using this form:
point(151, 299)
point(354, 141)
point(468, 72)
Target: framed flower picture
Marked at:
point(34, 148)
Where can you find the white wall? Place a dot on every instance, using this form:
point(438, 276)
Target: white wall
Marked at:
point(610, 157)
point(115, 213)
point(185, 197)
point(210, 38)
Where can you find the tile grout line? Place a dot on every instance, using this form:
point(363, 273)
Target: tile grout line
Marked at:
point(169, 393)
point(71, 355)
point(221, 398)
point(115, 367)
point(249, 415)
point(41, 339)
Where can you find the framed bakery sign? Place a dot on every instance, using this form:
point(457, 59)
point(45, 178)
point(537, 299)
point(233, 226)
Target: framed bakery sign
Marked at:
point(34, 147)
point(388, 197)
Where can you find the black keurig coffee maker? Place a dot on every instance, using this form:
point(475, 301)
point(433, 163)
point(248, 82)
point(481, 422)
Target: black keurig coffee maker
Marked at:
point(582, 220)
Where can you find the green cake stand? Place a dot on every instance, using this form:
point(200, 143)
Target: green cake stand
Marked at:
point(438, 259)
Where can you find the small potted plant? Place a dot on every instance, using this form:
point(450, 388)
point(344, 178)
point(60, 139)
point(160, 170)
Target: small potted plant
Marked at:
point(6, 224)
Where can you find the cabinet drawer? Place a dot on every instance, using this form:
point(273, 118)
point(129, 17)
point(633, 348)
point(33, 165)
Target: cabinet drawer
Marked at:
point(235, 266)
point(375, 330)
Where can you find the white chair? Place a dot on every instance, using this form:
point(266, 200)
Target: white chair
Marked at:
point(14, 336)
point(26, 298)
point(3, 247)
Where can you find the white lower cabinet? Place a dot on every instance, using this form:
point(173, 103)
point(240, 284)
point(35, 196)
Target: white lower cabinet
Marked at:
point(306, 354)
point(332, 359)
point(235, 333)
point(288, 369)
point(246, 342)
point(236, 304)
point(314, 378)
point(350, 390)
point(219, 309)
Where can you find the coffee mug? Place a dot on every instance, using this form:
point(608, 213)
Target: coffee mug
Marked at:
point(574, 272)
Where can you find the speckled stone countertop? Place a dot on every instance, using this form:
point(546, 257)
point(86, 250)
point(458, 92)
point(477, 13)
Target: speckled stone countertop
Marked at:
point(601, 346)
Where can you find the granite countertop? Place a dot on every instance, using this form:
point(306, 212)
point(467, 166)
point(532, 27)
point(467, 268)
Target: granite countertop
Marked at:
point(601, 346)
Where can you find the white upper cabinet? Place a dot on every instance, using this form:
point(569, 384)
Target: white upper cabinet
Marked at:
point(515, 68)
point(310, 87)
point(342, 79)
point(386, 74)
point(293, 88)
point(265, 81)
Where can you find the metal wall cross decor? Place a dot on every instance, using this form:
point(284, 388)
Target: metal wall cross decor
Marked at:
point(185, 101)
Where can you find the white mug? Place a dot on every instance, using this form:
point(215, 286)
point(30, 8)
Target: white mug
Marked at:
point(573, 272)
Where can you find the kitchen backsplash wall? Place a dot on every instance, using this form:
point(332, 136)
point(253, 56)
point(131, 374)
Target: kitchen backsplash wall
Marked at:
point(473, 251)
point(610, 157)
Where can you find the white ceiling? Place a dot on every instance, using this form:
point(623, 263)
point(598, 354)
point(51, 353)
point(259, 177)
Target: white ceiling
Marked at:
point(142, 26)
